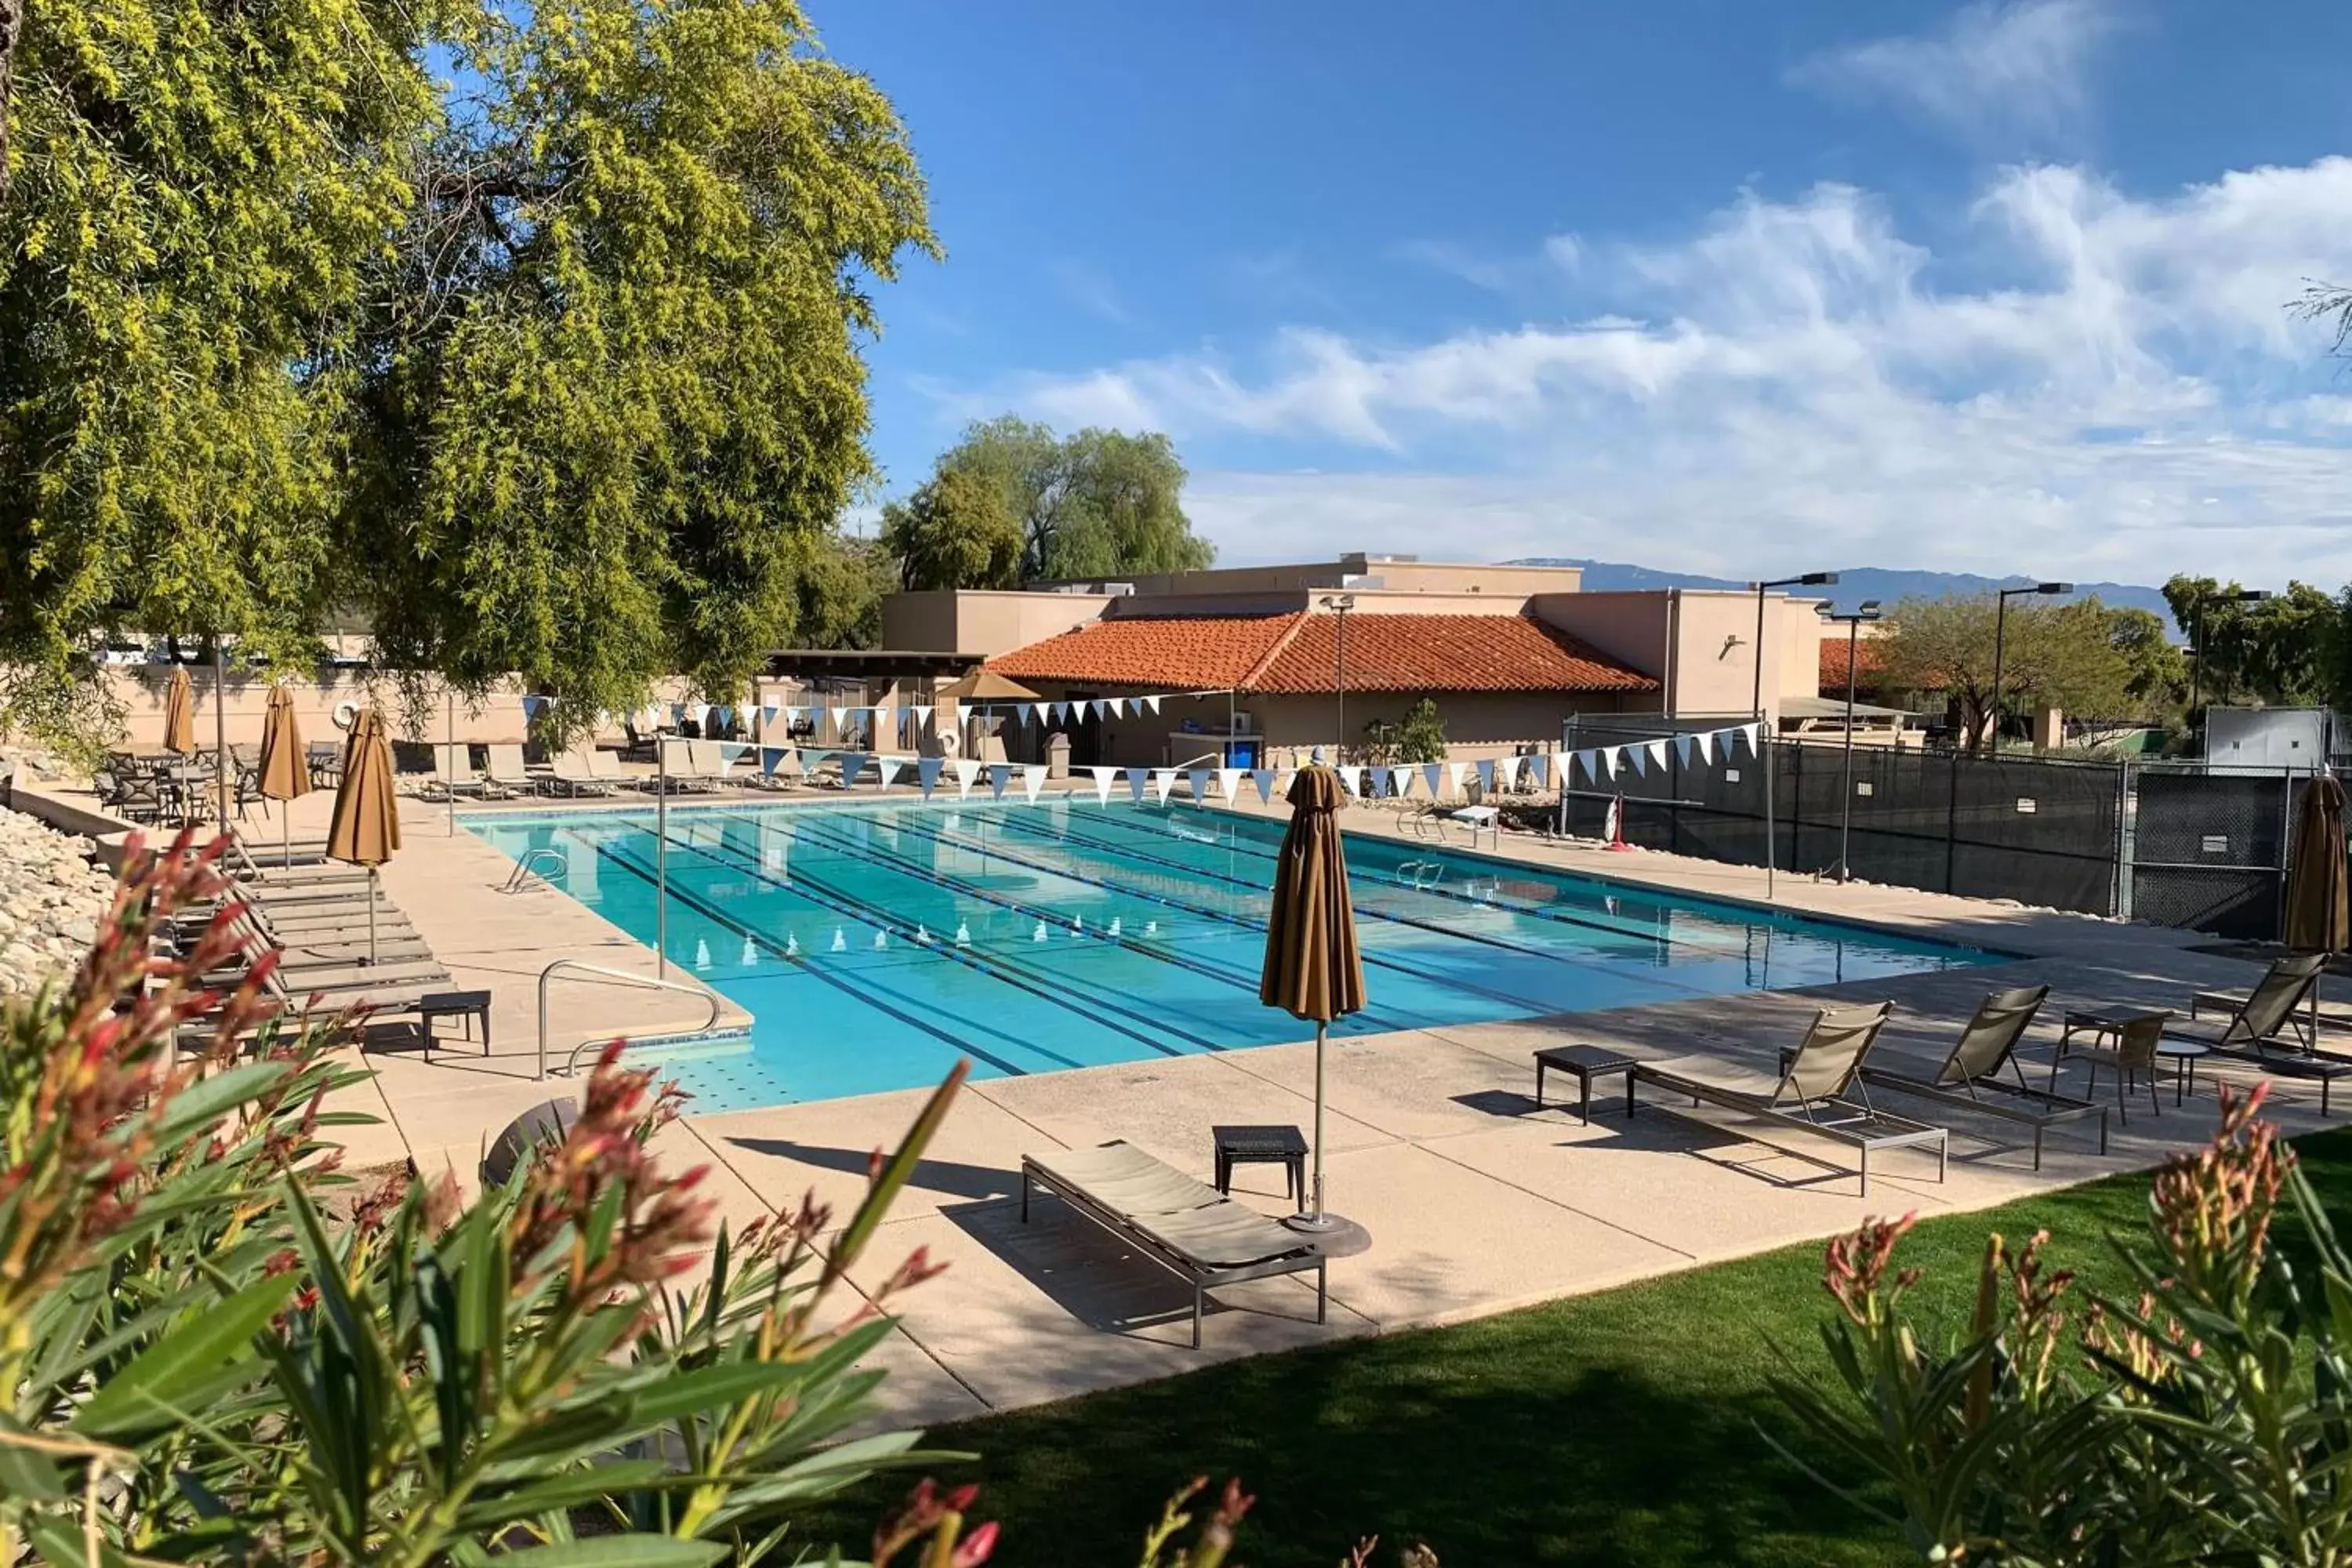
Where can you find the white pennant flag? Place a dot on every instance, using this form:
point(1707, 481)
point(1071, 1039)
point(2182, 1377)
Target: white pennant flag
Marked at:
point(1487, 775)
point(1263, 779)
point(1351, 778)
point(840, 718)
point(1434, 775)
point(1658, 753)
point(1033, 779)
point(1456, 773)
point(967, 772)
point(889, 767)
point(852, 764)
point(1103, 779)
point(927, 773)
point(1000, 776)
point(731, 752)
point(1507, 773)
point(1153, 702)
point(1705, 742)
point(1228, 781)
point(1197, 779)
point(922, 713)
point(1164, 780)
point(1379, 777)
point(1137, 778)
point(1610, 757)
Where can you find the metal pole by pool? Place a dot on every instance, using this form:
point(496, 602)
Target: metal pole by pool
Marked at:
point(220, 733)
point(1318, 1211)
point(1845, 816)
point(449, 750)
point(661, 856)
point(1765, 759)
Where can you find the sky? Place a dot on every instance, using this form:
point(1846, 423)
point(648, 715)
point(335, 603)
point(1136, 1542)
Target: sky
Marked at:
point(1741, 288)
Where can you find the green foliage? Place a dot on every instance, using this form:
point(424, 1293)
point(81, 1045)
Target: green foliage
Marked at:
point(2275, 652)
point(2200, 1420)
point(1419, 737)
point(1099, 504)
point(957, 531)
point(2080, 657)
point(2157, 676)
point(218, 1350)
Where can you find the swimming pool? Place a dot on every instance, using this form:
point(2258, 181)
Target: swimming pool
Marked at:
point(875, 944)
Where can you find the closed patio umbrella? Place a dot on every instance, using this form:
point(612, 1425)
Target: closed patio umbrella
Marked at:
point(1313, 969)
point(366, 826)
point(180, 714)
point(285, 768)
point(2319, 888)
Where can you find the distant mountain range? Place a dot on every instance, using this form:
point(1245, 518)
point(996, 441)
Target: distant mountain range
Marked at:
point(1854, 587)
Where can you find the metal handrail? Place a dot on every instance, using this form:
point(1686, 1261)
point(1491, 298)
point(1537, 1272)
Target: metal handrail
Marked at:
point(572, 1067)
point(523, 872)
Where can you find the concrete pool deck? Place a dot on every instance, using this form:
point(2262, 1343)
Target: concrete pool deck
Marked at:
point(1476, 1201)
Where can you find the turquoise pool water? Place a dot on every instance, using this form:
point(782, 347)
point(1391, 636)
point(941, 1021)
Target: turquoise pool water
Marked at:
point(874, 945)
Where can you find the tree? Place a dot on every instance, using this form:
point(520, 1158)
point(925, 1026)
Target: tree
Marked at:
point(956, 531)
point(2066, 655)
point(200, 195)
point(1097, 505)
point(617, 389)
point(2274, 651)
point(2157, 674)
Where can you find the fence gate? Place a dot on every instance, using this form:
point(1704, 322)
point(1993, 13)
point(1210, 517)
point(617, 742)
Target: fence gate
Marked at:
point(2210, 851)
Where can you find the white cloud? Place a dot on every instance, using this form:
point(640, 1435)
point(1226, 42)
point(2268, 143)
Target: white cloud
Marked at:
point(1994, 69)
point(1799, 379)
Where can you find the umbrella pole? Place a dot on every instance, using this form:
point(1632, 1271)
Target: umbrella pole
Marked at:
point(1317, 1219)
point(285, 834)
point(220, 734)
point(371, 915)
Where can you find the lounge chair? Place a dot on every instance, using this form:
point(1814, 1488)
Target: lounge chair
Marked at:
point(574, 773)
point(505, 769)
point(452, 775)
point(2275, 1025)
point(1810, 1094)
point(605, 768)
point(1987, 1043)
point(1186, 1227)
point(707, 765)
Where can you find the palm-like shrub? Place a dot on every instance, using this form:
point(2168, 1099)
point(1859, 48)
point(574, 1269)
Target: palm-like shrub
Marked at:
point(217, 1347)
point(2209, 1419)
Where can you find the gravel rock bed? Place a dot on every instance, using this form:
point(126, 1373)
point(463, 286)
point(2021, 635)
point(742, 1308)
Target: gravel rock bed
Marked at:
point(51, 898)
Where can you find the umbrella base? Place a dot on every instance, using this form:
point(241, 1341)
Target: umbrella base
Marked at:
point(1333, 1235)
point(1319, 1223)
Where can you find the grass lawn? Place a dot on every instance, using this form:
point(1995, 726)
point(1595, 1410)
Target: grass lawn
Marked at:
point(1617, 1428)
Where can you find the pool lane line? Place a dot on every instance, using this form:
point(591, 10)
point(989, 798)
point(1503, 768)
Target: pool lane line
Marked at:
point(1525, 1007)
point(628, 863)
point(1531, 911)
point(998, 968)
point(1237, 979)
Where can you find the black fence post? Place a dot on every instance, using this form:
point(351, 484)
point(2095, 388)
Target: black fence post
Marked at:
point(1952, 826)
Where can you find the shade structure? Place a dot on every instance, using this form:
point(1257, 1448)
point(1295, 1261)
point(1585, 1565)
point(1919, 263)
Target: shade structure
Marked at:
point(366, 826)
point(1313, 966)
point(285, 768)
point(986, 686)
point(2319, 888)
point(180, 714)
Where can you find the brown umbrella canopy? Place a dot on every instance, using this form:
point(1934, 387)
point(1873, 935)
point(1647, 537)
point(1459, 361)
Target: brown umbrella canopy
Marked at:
point(366, 826)
point(985, 685)
point(1312, 966)
point(285, 769)
point(180, 714)
point(2319, 889)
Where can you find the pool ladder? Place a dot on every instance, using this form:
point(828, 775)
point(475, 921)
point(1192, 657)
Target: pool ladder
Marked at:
point(644, 982)
point(1421, 875)
point(525, 868)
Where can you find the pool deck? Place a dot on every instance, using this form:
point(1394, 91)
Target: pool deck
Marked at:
point(1476, 1201)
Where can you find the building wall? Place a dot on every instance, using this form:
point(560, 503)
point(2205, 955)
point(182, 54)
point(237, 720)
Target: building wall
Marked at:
point(1358, 572)
point(982, 621)
point(1701, 642)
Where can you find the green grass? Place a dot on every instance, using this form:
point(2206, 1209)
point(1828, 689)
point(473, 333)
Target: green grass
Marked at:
point(1626, 1426)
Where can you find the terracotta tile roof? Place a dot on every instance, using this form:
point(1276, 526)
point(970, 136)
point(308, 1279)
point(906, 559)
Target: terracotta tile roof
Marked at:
point(1298, 652)
point(1176, 653)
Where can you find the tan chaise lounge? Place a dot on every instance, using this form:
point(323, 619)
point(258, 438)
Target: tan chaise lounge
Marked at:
point(1810, 1094)
point(1186, 1227)
point(2275, 1025)
point(1973, 1070)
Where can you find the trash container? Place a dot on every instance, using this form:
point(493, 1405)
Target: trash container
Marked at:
point(1058, 756)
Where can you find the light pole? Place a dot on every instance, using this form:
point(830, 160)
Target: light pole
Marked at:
point(2197, 647)
point(1764, 759)
point(1339, 605)
point(2000, 641)
point(1867, 611)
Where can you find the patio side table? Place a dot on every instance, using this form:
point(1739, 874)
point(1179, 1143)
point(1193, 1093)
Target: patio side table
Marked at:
point(1587, 1063)
point(463, 1005)
point(1261, 1145)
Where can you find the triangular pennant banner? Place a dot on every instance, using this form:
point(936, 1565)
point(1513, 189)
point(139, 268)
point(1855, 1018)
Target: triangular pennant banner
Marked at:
point(840, 718)
point(1263, 779)
point(1610, 757)
point(1379, 777)
point(1539, 771)
point(889, 767)
point(1507, 773)
point(927, 773)
point(773, 757)
point(1033, 779)
point(1434, 775)
point(1153, 704)
point(1198, 779)
point(1487, 775)
point(1456, 773)
point(530, 707)
point(1657, 749)
point(1000, 775)
point(1137, 778)
point(1164, 780)
point(1638, 756)
point(922, 713)
point(1683, 744)
point(1228, 781)
point(732, 752)
point(1705, 742)
point(1351, 778)
point(767, 713)
point(1104, 779)
point(852, 764)
point(966, 771)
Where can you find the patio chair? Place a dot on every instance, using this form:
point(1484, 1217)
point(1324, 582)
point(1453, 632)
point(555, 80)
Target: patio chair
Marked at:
point(707, 765)
point(452, 774)
point(2132, 1054)
point(574, 773)
point(1810, 1095)
point(2275, 1025)
point(605, 768)
point(1186, 1227)
point(505, 769)
point(1987, 1043)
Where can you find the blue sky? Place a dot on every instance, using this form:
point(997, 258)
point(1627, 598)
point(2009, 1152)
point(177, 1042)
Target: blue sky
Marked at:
point(1723, 286)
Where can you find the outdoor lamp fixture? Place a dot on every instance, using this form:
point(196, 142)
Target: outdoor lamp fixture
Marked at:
point(1867, 611)
point(1999, 628)
point(1339, 605)
point(2197, 646)
point(1764, 758)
